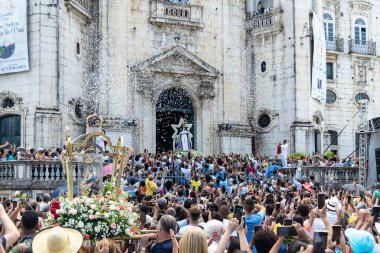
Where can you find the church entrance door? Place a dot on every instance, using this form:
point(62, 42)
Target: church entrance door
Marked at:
point(171, 105)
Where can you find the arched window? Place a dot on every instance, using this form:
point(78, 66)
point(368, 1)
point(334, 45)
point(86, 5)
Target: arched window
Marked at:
point(360, 30)
point(329, 24)
point(10, 129)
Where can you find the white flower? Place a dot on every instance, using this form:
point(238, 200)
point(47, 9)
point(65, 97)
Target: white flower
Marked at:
point(106, 215)
point(112, 207)
point(80, 224)
point(93, 206)
point(97, 229)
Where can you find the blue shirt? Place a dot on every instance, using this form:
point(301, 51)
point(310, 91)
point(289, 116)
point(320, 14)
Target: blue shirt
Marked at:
point(163, 247)
point(252, 221)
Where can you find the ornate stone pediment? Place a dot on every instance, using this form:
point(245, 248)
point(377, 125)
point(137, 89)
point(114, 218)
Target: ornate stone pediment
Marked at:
point(179, 61)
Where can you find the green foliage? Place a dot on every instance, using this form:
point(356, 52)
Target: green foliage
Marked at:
point(330, 154)
point(297, 156)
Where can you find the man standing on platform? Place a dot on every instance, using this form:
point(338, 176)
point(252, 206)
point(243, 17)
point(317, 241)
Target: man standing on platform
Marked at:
point(284, 153)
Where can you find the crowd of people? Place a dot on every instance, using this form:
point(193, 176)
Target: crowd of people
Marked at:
point(9, 152)
point(213, 207)
point(281, 158)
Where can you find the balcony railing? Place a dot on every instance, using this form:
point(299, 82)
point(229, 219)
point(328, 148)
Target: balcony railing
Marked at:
point(80, 7)
point(327, 176)
point(362, 47)
point(34, 176)
point(335, 44)
point(163, 12)
point(267, 22)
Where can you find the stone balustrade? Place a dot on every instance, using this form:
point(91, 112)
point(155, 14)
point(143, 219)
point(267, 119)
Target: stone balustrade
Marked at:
point(269, 22)
point(166, 13)
point(324, 175)
point(34, 177)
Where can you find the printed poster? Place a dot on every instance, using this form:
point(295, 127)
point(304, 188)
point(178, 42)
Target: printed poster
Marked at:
point(318, 84)
point(13, 36)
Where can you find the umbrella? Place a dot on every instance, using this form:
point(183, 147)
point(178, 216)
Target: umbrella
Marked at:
point(61, 190)
point(351, 188)
point(107, 169)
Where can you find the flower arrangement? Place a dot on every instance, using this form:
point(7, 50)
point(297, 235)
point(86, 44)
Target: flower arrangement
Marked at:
point(194, 153)
point(96, 217)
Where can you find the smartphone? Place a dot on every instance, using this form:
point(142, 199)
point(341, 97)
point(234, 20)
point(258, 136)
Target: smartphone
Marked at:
point(286, 231)
point(238, 212)
point(243, 197)
point(187, 192)
point(14, 202)
point(244, 225)
point(336, 230)
point(321, 200)
point(287, 222)
point(258, 228)
point(278, 205)
point(375, 213)
point(320, 241)
point(194, 201)
point(349, 197)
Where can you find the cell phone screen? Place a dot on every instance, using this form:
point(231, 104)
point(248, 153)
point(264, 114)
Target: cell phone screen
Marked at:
point(278, 206)
point(187, 192)
point(349, 197)
point(375, 213)
point(336, 233)
point(320, 241)
point(321, 200)
point(238, 212)
point(194, 201)
point(288, 222)
point(286, 231)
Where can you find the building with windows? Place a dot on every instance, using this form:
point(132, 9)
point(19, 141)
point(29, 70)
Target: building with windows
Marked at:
point(244, 74)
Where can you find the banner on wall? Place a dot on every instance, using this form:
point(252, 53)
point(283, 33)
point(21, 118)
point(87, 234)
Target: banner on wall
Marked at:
point(13, 36)
point(318, 83)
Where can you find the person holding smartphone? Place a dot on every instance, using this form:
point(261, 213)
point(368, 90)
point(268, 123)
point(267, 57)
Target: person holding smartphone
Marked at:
point(252, 218)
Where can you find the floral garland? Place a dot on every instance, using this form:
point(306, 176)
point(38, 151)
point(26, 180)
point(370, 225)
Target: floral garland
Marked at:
point(96, 217)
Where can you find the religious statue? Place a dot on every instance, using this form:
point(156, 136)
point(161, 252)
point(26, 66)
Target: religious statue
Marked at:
point(182, 136)
point(90, 183)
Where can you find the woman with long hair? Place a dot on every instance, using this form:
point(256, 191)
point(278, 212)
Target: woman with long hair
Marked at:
point(193, 240)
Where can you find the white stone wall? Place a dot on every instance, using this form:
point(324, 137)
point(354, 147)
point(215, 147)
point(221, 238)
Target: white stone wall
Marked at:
point(289, 96)
point(219, 43)
point(56, 73)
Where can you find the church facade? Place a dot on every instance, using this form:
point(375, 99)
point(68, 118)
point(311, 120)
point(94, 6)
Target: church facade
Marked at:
point(239, 72)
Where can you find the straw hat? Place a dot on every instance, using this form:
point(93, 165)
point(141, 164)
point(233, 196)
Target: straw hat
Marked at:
point(57, 240)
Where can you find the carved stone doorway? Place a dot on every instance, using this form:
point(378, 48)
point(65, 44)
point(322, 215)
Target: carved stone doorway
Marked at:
point(171, 105)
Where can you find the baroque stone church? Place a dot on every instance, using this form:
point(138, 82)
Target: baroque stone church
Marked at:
point(240, 72)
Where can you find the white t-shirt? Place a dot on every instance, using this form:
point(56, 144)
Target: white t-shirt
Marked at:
point(212, 248)
point(186, 171)
point(284, 149)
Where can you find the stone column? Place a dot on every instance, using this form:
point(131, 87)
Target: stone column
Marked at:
point(249, 8)
point(206, 93)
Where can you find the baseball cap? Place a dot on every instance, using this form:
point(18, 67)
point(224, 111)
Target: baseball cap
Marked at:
point(360, 241)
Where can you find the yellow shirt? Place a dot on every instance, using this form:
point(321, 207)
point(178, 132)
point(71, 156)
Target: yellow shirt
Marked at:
point(195, 184)
point(151, 187)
